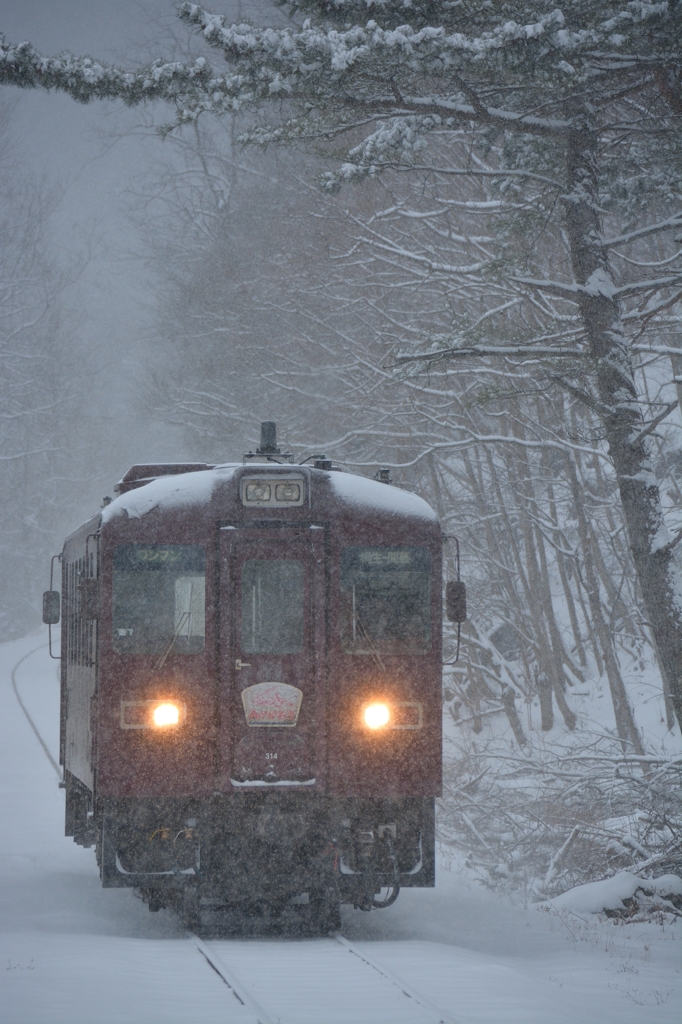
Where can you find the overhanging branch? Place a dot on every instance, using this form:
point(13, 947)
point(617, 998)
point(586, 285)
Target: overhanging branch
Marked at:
point(495, 350)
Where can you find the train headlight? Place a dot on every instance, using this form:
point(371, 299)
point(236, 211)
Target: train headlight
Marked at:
point(152, 714)
point(377, 716)
point(166, 714)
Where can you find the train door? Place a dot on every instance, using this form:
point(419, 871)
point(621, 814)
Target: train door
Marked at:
point(272, 656)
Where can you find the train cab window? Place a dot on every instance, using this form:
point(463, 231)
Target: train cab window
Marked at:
point(385, 600)
point(272, 606)
point(159, 598)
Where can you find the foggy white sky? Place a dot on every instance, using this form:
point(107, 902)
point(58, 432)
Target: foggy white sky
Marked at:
point(58, 137)
point(60, 140)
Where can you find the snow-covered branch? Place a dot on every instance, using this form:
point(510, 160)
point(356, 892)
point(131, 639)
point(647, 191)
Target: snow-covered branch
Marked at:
point(506, 351)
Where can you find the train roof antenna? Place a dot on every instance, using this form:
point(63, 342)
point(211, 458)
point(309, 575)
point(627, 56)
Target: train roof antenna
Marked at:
point(268, 446)
point(268, 439)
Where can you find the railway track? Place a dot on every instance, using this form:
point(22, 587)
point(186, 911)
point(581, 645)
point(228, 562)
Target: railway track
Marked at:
point(27, 714)
point(332, 981)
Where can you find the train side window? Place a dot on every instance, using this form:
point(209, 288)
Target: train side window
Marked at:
point(159, 598)
point(273, 601)
point(386, 600)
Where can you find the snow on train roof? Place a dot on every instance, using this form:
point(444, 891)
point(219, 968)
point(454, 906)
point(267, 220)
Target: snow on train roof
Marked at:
point(169, 492)
point(370, 494)
point(197, 488)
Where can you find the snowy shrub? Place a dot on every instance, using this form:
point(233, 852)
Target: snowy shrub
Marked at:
point(542, 821)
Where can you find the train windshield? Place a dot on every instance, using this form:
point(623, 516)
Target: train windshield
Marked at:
point(386, 600)
point(272, 606)
point(159, 598)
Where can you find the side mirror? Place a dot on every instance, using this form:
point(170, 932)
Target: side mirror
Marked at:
point(89, 592)
point(456, 601)
point(51, 607)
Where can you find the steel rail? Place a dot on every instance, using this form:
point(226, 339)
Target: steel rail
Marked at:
point(27, 714)
point(238, 990)
point(407, 990)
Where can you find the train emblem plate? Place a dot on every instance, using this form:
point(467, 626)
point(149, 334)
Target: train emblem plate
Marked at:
point(272, 704)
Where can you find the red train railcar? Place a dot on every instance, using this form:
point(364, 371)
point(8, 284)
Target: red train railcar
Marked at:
point(251, 686)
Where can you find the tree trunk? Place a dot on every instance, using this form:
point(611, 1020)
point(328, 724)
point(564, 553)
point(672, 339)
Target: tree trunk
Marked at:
point(621, 412)
point(548, 678)
point(561, 566)
point(625, 723)
point(555, 638)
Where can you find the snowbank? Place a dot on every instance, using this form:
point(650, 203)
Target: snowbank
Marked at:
point(611, 893)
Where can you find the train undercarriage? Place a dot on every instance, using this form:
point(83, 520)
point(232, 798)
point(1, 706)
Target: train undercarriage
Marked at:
point(260, 855)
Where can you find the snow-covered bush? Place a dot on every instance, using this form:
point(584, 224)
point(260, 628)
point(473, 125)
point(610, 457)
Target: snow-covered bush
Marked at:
point(562, 813)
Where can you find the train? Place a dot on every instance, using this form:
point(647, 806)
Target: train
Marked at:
point(251, 661)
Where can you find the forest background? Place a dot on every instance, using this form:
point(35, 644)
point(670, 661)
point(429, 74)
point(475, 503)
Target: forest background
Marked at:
point(270, 290)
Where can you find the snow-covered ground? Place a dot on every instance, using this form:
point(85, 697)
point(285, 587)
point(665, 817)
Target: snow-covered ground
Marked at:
point(72, 953)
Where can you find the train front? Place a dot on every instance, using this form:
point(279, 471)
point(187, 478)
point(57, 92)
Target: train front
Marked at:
point(266, 722)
